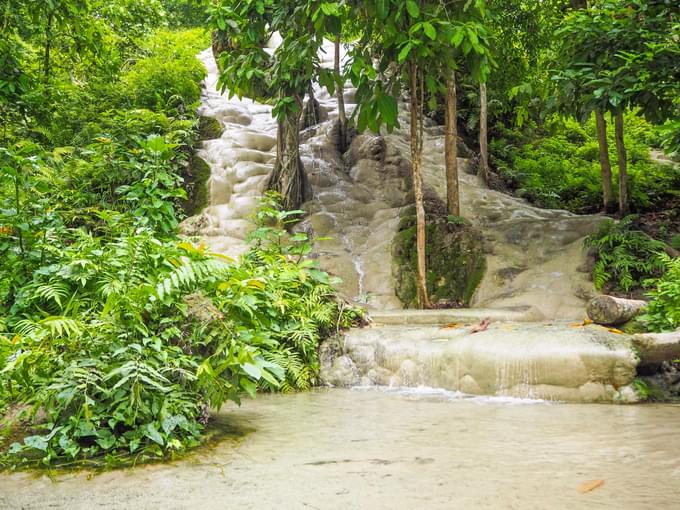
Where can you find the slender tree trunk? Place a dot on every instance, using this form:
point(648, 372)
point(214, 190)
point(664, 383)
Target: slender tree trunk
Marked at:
point(451, 147)
point(48, 47)
point(623, 165)
point(605, 165)
point(416, 160)
point(483, 133)
point(342, 115)
point(288, 177)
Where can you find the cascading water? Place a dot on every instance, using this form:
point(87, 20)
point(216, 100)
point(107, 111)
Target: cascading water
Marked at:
point(533, 259)
point(240, 161)
point(534, 255)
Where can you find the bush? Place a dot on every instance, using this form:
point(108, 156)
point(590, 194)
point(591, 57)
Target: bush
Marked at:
point(625, 256)
point(157, 84)
point(663, 312)
point(559, 167)
point(126, 341)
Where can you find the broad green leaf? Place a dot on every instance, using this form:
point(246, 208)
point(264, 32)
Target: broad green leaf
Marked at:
point(412, 8)
point(430, 30)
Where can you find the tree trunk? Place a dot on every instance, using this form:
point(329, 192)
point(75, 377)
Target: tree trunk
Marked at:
point(48, 47)
point(605, 165)
point(654, 348)
point(451, 148)
point(623, 165)
point(342, 115)
point(483, 133)
point(609, 310)
point(288, 177)
point(311, 114)
point(416, 157)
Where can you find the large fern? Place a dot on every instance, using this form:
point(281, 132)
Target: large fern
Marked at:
point(625, 256)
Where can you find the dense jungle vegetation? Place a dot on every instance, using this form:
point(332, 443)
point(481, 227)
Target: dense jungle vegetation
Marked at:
point(117, 337)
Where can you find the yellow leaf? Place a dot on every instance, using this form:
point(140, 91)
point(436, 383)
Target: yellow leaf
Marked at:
point(223, 257)
point(614, 330)
point(15, 339)
point(589, 486)
point(256, 283)
point(452, 325)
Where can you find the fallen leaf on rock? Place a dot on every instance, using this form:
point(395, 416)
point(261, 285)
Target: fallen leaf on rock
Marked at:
point(590, 486)
point(586, 322)
point(482, 326)
point(614, 330)
point(452, 325)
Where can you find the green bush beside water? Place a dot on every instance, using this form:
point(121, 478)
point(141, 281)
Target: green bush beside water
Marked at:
point(117, 338)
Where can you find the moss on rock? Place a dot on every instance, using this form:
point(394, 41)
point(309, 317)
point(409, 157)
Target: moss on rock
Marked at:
point(455, 259)
point(209, 128)
point(196, 185)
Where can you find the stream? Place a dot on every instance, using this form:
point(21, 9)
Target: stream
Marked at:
point(396, 449)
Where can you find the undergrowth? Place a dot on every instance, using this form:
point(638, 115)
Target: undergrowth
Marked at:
point(663, 311)
point(556, 165)
point(625, 257)
point(117, 338)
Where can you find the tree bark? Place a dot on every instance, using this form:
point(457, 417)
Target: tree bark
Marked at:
point(451, 147)
point(311, 114)
point(610, 310)
point(483, 133)
point(655, 348)
point(416, 160)
point(288, 177)
point(605, 165)
point(342, 115)
point(622, 163)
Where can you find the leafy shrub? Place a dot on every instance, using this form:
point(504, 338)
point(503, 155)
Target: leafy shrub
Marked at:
point(663, 312)
point(157, 84)
point(125, 341)
point(625, 256)
point(558, 166)
point(169, 78)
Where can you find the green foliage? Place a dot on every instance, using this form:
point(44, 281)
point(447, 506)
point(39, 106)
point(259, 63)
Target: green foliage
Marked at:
point(625, 256)
point(557, 166)
point(185, 13)
point(169, 78)
point(124, 341)
point(115, 337)
point(616, 54)
point(663, 311)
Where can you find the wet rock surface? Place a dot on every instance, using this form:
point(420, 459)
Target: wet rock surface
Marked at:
point(558, 361)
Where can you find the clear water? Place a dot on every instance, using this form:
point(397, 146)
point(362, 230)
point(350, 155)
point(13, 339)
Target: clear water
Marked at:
point(397, 449)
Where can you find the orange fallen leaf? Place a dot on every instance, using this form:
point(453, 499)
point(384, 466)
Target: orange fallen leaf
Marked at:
point(482, 326)
point(451, 325)
point(614, 330)
point(590, 486)
point(586, 322)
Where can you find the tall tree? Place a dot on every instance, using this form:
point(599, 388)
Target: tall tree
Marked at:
point(468, 42)
point(340, 94)
point(608, 53)
point(282, 76)
point(414, 44)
